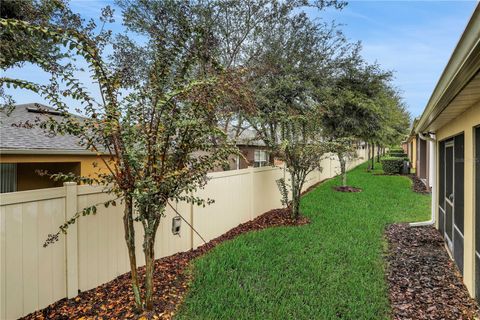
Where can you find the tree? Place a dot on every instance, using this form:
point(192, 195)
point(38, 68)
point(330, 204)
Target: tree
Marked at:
point(345, 149)
point(16, 48)
point(289, 73)
point(157, 118)
point(38, 12)
point(243, 28)
point(353, 110)
point(395, 118)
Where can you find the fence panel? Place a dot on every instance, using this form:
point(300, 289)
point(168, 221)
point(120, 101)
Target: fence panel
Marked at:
point(232, 192)
point(266, 195)
point(102, 253)
point(32, 276)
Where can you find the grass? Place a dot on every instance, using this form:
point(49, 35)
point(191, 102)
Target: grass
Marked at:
point(377, 168)
point(329, 269)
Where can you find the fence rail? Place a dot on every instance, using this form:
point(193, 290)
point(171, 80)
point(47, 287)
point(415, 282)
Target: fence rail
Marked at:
point(94, 251)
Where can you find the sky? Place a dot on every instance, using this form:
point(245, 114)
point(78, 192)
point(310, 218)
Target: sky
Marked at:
point(414, 39)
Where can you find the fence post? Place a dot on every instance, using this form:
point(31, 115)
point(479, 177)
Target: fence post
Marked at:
point(192, 223)
point(71, 249)
point(252, 193)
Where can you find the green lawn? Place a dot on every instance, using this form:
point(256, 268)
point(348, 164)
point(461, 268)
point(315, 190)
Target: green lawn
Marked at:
point(329, 269)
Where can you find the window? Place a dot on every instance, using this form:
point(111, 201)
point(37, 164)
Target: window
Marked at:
point(449, 172)
point(261, 158)
point(8, 177)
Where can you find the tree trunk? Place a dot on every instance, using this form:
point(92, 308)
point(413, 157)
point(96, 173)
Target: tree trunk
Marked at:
point(297, 184)
point(149, 250)
point(343, 169)
point(296, 205)
point(378, 154)
point(295, 199)
point(130, 240)
point(373, 156)
point(368, 155)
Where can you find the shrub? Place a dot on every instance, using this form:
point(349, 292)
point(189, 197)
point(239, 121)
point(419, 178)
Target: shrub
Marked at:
point(392, 165)
point(396, 150)
point(397, 154)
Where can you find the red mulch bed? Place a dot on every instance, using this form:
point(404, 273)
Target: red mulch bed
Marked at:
point(423, 281)
point(418, 186)
point(346, 189)
point(114, 300)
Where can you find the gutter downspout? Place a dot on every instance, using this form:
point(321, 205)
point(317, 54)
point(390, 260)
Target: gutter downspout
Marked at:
point(433, 168)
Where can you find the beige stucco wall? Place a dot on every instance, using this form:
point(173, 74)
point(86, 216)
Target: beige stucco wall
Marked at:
point(28, 177)
point(412, 151)
point(28, 180)
point(465, 123)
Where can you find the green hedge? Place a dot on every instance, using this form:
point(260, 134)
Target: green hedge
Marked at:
point(396, 150)
point(398, 154)
point(392, 165)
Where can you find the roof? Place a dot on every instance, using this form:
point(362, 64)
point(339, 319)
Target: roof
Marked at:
point(15, 139)
point(248, 137)
point(459, 85)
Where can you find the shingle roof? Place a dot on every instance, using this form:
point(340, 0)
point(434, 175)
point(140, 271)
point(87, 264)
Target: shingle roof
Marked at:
point(248, 137)
point(15, 138)
point(35, 140)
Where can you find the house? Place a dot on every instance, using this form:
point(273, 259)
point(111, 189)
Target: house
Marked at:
point(420, 153)
point(449, 132)
point(411, 147)
point(25, 151)
point(254, 152)
point(424, 152)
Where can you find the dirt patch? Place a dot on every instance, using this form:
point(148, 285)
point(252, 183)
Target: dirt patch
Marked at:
point(114, 300)
point(418, 186)
point(346, 189)
point(423, 281)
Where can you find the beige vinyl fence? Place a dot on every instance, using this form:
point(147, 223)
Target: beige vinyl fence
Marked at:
point(94, 251)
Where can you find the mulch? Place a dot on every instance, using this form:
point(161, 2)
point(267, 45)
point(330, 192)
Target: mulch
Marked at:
point(423, 281)
point(346, 189)
point(114, 300)
point(418, 186)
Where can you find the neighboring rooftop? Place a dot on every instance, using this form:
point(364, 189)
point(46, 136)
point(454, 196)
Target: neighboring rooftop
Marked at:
point(17, 139)
point(247, 137)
